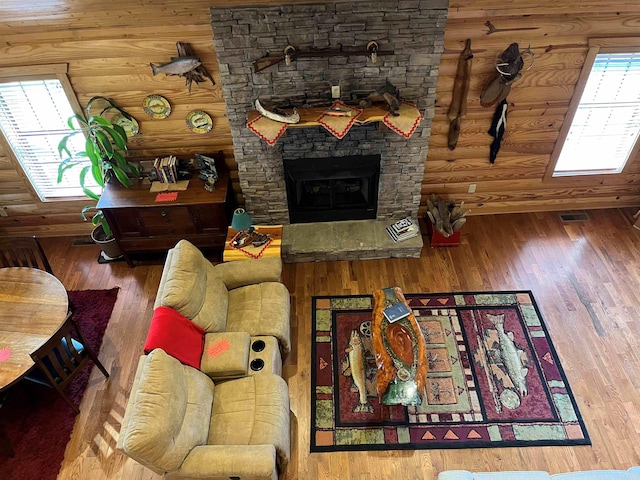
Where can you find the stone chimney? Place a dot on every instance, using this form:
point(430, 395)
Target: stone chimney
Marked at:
point(412, 29)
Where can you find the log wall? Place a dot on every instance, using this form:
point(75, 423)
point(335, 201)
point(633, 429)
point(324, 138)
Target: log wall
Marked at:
point(558, 33)
point(109, 45)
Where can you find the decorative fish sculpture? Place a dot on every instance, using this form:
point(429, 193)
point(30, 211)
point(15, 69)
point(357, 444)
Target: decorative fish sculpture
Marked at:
point(177, 66)
point(338, 112)
point(510, 355)
point(357, 364)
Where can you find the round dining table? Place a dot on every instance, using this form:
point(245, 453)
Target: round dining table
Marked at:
point(33, 306)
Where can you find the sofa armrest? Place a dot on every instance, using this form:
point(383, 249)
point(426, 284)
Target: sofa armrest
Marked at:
point(223, 461)
point(240, 273)
point(124, 425)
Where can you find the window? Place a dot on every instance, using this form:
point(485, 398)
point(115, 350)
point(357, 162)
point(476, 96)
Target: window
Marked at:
point(33, 119)
point(603, 127)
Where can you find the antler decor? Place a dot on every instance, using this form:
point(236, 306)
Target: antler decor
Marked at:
point(508, 65)
point(446, 216)
point(290, 53)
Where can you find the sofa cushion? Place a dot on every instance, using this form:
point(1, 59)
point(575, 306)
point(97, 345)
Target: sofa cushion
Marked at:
point(213, 315)
point(165, 412)
point(252, 411)
point(631, 474)
point(261, 309)
point(176, 335)
point(595, 475)
point(190, 286)
point(467, 475)
point(532, 475)
point(225, 355)
point(225, 462)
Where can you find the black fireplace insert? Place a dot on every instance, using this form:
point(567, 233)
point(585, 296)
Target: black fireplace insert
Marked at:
point(332, 189)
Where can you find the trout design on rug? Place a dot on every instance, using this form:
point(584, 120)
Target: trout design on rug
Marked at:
point(510, 355)
point(493, 378)
point(355, 365)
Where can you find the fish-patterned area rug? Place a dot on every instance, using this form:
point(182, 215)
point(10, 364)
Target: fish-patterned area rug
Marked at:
point(494, 378)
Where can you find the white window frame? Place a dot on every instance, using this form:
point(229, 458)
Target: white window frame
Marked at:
point(39, 72)
point(596, 46)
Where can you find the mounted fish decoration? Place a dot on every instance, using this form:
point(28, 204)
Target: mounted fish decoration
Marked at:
point(187, 64)
point(177, 66)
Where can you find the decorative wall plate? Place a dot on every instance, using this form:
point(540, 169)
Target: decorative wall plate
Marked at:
point(199, 121)
point(156, 106)
point(130, 126)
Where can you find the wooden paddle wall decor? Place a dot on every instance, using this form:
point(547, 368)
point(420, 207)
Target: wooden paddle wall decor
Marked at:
point(458, 109)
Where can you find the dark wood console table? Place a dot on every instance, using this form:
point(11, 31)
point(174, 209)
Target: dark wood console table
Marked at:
point(142, 225)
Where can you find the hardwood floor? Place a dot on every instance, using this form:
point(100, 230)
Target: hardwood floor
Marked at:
point(585, 277)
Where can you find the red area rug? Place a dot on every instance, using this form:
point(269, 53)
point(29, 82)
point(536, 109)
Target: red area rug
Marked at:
point(494, 378)
point(39, 424)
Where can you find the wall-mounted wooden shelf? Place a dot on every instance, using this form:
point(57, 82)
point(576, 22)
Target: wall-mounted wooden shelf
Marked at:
point(309, 116)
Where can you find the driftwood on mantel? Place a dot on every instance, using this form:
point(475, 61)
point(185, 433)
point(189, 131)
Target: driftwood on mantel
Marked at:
point(199, 73)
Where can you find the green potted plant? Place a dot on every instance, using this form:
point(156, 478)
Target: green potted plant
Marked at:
point(105, 148)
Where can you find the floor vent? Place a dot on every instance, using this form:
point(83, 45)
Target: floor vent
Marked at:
point(82, 241)
point(574, 217)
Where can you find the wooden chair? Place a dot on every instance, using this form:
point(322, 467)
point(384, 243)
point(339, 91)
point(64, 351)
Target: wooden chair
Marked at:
point(23, 252)
point(61, 358)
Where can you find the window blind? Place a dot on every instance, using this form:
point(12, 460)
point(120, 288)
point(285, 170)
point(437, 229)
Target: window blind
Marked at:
point(33, 119)
point(606, 125)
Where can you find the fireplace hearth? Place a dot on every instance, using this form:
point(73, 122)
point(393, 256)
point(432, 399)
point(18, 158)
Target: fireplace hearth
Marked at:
point(332, 189)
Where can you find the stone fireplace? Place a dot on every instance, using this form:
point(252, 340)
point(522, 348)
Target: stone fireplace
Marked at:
point(412, 30)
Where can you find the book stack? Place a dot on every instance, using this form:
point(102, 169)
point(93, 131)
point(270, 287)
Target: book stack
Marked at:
point(396, 311)
point(403, 230)
point(166, 169)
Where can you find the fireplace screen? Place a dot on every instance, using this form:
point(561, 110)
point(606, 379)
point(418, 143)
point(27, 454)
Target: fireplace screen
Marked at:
point(332, 189)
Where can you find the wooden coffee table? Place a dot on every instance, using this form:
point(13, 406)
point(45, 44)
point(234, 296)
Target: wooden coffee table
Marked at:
point(400, 353)
point(33, 306)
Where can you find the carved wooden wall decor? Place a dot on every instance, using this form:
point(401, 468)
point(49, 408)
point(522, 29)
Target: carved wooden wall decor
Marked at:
point(81, 32)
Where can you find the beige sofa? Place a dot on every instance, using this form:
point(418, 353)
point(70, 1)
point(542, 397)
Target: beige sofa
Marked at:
point(181, 425)
point(241, 296)
point(227, 419)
